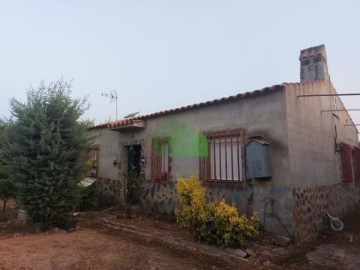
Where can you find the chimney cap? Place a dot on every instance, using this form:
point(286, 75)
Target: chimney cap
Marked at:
point(313, 51)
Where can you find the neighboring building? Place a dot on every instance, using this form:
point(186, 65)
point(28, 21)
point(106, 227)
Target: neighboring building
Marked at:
point(302, 152)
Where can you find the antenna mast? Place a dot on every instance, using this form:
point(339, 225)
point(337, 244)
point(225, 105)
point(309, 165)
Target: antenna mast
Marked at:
point(113, 98)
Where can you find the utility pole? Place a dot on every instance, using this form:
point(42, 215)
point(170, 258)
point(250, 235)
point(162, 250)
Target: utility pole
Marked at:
point(113, 98)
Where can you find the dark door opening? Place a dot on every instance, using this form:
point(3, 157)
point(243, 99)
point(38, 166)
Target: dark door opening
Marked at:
point(133, 176)
point(134, 159)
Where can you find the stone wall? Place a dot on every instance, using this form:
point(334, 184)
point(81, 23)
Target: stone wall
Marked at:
point(277, 215)
point(338, 199)
point(160, 198)
point(110, 191)
point(291, 212)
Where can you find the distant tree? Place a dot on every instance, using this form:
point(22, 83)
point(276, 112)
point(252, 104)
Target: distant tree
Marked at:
point(47, 144)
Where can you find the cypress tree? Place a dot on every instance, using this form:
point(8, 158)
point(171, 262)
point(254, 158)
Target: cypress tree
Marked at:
point(47, 146)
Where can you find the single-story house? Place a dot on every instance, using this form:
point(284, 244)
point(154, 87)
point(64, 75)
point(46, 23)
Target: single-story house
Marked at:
point(286, 151)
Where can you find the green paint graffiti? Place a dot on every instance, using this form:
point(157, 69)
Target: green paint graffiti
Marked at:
point(180, 139)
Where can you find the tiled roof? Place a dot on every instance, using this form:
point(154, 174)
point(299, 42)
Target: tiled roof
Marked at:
point(313, 51)
point(125, 122)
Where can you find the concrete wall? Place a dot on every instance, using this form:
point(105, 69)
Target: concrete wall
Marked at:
point(110, 150)
point(263, 114)
point(311, 135)
point(260, 115)
point(315, 166)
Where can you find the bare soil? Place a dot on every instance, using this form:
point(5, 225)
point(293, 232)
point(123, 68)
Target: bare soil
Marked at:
point(148, 242)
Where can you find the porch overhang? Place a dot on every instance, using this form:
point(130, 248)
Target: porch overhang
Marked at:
point(129, 126)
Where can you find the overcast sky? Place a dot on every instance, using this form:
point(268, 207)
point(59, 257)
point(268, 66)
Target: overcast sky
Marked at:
point(164, 54)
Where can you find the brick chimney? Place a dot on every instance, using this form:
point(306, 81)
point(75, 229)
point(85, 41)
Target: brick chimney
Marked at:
point(313, 64)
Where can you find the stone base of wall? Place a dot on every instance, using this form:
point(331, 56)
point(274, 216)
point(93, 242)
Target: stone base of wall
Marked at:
point(277, 215)
point(160, 198)
point(291, 212)
point(339, 199)
point(110, 191)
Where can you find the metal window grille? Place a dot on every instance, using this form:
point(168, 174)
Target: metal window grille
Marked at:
point(336, 106)
point(225, 157)
point(160, 165)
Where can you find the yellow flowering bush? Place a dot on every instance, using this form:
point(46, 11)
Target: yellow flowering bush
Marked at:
point(192, 214)
point(214, 222)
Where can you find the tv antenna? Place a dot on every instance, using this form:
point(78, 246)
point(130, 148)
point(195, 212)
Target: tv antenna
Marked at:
point(113, 98)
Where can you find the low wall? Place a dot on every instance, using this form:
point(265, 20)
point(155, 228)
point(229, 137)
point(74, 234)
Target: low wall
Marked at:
point(110, 190)
point(291, 212)
point(161, 198)
point(338, 199)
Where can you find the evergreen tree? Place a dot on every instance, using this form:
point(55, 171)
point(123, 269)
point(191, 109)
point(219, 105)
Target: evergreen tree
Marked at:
point(47, 146)
point(7, 187)
point(4, 173)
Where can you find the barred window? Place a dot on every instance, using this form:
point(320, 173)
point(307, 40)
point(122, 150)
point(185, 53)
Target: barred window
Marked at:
point(224, 161)
point(160, 166)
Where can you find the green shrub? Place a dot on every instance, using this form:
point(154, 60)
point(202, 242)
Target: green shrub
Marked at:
point(135, 187)
point(215, 222)
point(88, 198)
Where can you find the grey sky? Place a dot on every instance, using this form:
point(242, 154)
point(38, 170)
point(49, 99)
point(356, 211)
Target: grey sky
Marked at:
point(164, 54)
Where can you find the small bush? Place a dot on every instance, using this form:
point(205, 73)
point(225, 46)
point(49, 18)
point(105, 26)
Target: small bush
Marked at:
point(88, 198)
point(135, 187)
point(214, 222)
point(193, 213)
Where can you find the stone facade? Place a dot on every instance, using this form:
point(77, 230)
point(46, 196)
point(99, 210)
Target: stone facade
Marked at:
point(110, 191)
point(338, 199)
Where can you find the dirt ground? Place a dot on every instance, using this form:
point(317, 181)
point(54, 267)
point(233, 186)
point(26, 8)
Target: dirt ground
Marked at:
point(109, 240)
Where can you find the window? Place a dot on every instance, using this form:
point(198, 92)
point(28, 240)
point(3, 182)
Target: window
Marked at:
point(92, 160)
point(224, 161)
point(160, 165)
point(336, 106)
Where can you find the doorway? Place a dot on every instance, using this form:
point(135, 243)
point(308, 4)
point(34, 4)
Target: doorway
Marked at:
point(134, 178)
point(134, 158)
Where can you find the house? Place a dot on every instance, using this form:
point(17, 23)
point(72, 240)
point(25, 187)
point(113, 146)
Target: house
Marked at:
point(303, 151)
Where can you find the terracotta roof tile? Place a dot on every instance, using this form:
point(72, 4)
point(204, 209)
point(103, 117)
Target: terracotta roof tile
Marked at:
point(124, 122)
point(129, 121)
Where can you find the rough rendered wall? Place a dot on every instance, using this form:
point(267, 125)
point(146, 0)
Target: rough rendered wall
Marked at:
point(261, 114)
point(108, 143)
point(315, 166)
point(311, 135)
